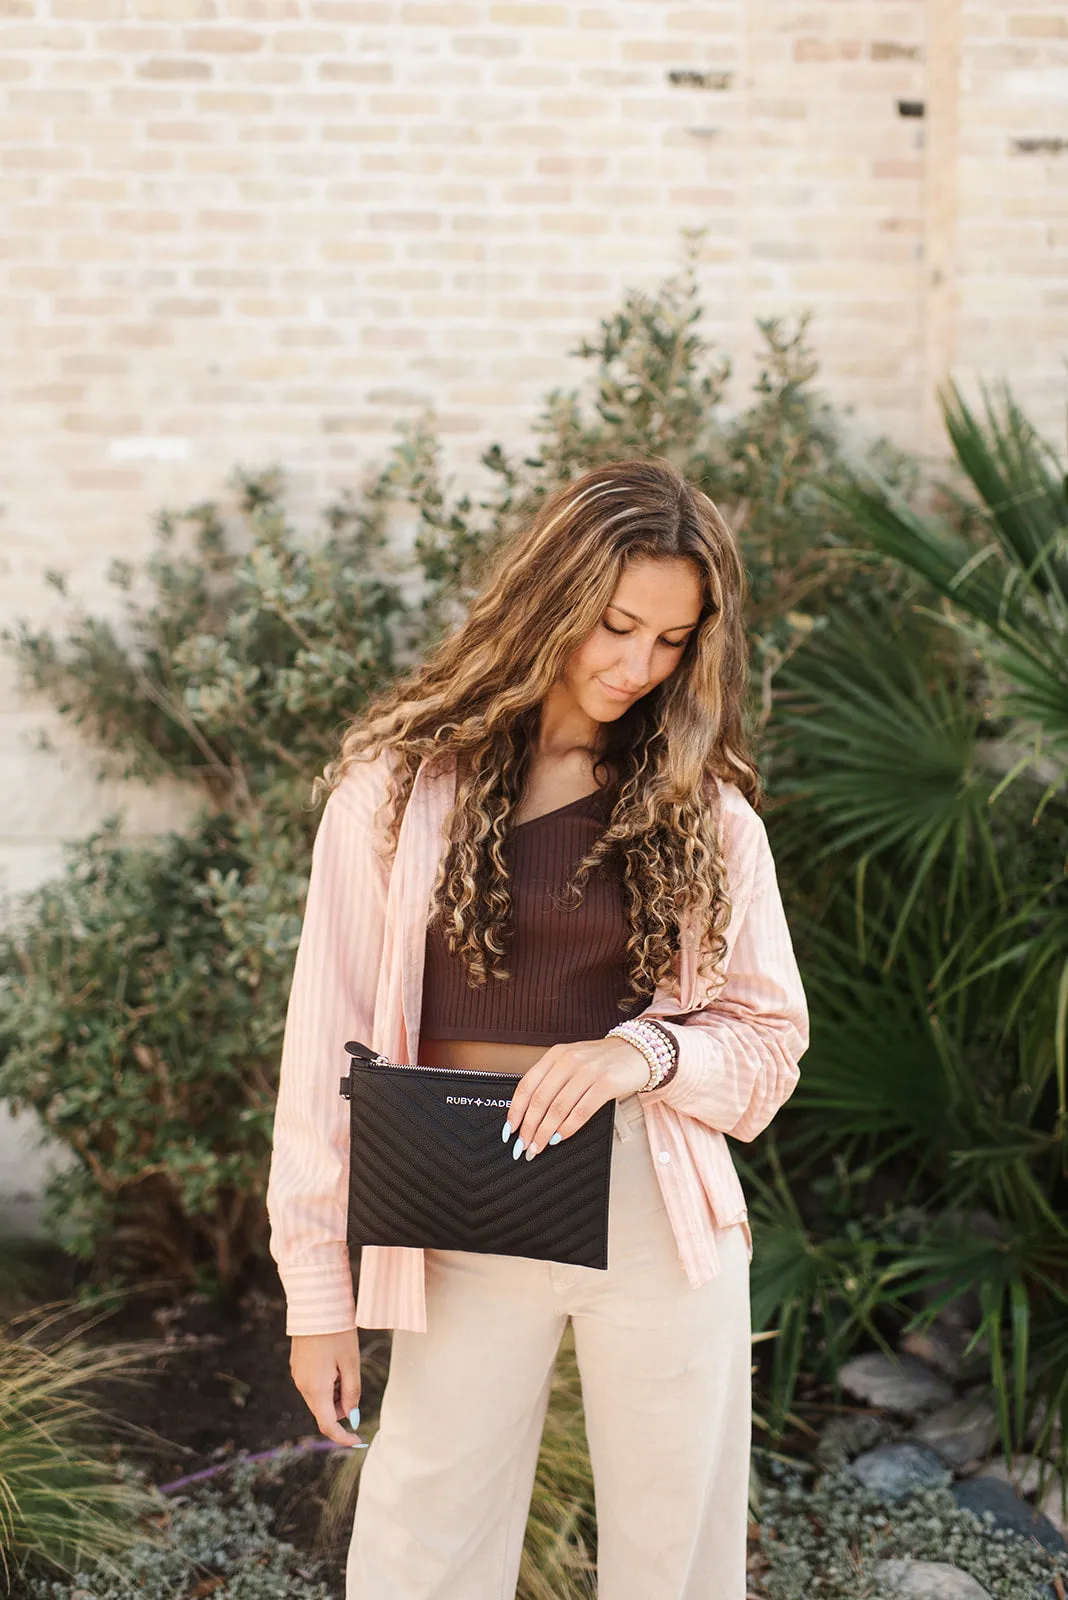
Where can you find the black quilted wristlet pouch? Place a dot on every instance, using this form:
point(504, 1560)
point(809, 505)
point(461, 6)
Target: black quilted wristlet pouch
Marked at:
point(428, 1167)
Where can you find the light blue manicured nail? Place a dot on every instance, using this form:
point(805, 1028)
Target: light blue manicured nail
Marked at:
point(556, 1138)
point(354, 1416)
point(507, 1134)
point(517, 1149)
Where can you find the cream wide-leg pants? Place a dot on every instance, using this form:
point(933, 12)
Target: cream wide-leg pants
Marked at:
point(446, 1483)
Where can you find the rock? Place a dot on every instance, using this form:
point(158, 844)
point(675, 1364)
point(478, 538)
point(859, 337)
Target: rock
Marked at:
point(894, 1471)
point(941, 1346)
point(903, 1385)
point(928, 1580)
point(981, 1495)
point(846, 1436)
point(1052, 1506)
point(960, 1432)
point(1024, 1479)
point(1024, 1475)
point(1038, 1422)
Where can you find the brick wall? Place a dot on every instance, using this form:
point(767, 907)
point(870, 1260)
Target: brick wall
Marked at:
point(247, 230)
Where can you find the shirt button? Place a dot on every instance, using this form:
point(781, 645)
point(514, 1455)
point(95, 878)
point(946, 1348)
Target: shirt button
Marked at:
point(663, 1157)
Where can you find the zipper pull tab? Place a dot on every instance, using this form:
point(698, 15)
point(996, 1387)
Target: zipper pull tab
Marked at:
point(360, 1051)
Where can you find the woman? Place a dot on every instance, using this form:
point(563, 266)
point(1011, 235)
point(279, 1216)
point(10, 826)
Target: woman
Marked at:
point(585, 721)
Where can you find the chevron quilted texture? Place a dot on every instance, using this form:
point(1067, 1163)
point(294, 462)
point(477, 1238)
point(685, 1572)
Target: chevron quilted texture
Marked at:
point(428, 1168)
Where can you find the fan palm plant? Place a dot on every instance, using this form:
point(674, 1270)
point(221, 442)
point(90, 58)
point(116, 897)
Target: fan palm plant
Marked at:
point(921, 746)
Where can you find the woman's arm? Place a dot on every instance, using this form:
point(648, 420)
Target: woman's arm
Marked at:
point(738, 1057)
point(331, 1000)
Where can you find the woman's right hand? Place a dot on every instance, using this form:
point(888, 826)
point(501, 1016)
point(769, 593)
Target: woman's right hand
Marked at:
point(326, 1370)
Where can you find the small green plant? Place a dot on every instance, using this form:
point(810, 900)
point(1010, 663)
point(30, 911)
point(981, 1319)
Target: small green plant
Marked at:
point(827, 1542)
point(216, 1542)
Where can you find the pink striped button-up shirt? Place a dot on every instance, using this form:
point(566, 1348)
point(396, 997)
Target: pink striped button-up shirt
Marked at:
point(358, 975)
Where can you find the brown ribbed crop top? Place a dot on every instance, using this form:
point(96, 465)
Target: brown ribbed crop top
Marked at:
point(568, 966)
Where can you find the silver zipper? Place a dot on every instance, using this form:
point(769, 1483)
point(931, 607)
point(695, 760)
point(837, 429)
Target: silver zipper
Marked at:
point(413, 1066)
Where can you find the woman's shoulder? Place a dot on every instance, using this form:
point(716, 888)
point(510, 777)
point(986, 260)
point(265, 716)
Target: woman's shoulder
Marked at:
point(743, 836)
point(363, 785)
point(733, 803)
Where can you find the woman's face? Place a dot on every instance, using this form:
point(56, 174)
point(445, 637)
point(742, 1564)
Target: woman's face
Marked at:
point(640, 638)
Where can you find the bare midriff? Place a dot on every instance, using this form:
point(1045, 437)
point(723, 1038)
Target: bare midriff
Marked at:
point(482, 1055)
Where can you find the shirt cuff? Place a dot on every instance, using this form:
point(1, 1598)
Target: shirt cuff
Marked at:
point(319, 1298)
point(676, 1091)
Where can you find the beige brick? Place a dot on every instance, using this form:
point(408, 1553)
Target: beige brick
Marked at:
point(1040, 25)
point(827, 49)
point(373, 12)
point(234, 102)
point(222, 41)
point(94, 132)
point(179, 132)
point(131, 40)
point(22, 130)
point(529, 16)
point(264, 10)
point(175, 67)
point(894, 50)
point(448, 15)
point(144, 221)
point(490, 47)
point(356, 71)
point(42, 160)
point(308, 42)
point(174, 10)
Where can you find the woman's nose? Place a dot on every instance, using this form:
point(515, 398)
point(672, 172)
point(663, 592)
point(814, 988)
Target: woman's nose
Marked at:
point(635, 668)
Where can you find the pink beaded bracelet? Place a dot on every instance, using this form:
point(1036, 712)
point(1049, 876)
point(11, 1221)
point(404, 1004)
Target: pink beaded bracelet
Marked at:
point(659, 1048)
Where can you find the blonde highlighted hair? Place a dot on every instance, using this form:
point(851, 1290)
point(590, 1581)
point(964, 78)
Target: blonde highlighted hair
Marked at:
point(475, 701)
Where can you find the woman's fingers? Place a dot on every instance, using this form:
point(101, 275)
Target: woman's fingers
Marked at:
point(347, 1396)
point(529, 1085)
point(326, 1371)
point(568, 1113)
point(321, 1403)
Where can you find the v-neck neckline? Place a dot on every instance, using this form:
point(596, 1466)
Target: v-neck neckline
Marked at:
point(559, 810)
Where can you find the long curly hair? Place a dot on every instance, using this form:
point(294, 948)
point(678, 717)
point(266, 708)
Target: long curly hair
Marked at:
point(475, 702)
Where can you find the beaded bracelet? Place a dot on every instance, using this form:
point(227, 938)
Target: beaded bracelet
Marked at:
point(659, 1047)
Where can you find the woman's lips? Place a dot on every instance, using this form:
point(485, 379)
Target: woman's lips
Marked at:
point(617, 694)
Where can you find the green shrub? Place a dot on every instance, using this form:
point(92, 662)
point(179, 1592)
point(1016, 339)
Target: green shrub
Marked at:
point(140, 1019)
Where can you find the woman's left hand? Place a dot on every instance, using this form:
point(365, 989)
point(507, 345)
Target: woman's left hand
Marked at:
point(566, 1085)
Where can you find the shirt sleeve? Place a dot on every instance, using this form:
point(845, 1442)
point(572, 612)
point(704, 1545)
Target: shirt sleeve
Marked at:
point(332, 999)
point(738, 1056)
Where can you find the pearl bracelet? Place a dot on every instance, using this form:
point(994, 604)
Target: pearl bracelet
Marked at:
point(658, 1047)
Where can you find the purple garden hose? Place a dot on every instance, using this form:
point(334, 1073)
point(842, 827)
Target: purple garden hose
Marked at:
point(262, 1455)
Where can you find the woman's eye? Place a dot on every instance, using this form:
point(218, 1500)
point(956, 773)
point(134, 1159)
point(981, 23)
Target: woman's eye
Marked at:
point(622, 633)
